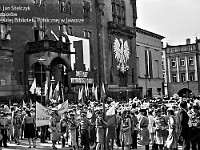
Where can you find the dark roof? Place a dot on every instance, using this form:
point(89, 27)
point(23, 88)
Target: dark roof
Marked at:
point(139, 30)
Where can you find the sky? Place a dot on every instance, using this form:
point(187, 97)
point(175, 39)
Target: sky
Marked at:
point(176, 20)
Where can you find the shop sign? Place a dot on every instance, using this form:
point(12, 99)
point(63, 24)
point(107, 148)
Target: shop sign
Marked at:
point(82, 80)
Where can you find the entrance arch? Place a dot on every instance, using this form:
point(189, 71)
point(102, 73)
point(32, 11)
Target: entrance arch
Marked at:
point(185, 92)
point(59, 69)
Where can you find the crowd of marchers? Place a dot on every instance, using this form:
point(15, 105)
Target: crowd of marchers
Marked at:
point(96, 125)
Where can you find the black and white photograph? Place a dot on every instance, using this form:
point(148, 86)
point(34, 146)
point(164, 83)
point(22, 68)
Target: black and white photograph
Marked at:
point(99, 74)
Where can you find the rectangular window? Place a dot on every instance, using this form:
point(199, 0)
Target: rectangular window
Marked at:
point(70, 30)
point(87, 34)
point(20, 77)
point(173, 62)
point(191, 76)
point(119, 12)
point(182, 61)
point(87, 10)
point(5, 31)
point(191, 61)
point(174, 79)
point(39, 29)
point(183, 77)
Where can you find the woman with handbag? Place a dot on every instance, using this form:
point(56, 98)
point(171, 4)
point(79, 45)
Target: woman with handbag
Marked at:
point(172, 139)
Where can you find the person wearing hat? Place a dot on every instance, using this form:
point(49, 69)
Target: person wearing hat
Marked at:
point(53, 125)
point(17, 123)
point(3, 129)
point(72, 126)
point(172, 139)
point(143, 127)
point(84, 126)
point(100, 130)
point(183, 126)
point(160, 129)
point(64, 128)
point(194, 125)
point(126, 131)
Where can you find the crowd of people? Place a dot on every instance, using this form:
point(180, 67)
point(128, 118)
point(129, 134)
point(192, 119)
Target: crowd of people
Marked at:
point(89, 126)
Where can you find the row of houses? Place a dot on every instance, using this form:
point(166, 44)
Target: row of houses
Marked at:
point(181, 69)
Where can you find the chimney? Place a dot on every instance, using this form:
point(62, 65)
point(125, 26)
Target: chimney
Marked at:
point(188, 41)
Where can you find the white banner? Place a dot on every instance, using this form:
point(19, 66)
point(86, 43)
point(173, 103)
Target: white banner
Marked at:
point(42, 115)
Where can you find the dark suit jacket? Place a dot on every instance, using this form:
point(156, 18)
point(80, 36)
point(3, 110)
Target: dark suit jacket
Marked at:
point(183, 123)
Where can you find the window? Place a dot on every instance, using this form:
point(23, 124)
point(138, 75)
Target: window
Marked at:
point(119, 12)
point(123, 78)
point(182, 62)
point(39, 2)
point(70, 30)
point(87, 10)
point(173, 62)
point(174, 79)
point(68, 7)
point(87, 34)
point(191, 61)
point(5, 31)
point(20, 77)
point(183, 77)
point(133, 73)
point(39, 29)
point(191, 76)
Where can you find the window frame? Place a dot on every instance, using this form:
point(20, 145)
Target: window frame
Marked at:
point(189, 59)
point(182, 61)
point(173, 60)
point(174, 76)
point(183, 76)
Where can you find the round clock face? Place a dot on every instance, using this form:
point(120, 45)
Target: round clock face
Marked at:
point(122, 53)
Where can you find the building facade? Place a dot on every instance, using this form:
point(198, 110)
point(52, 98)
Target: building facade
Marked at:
point(149, 62)
point(182, 69)
point(165, 90)
point(117, 51)
point(77, 49)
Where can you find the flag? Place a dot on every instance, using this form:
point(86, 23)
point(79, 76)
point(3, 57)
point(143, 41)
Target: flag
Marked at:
point(42, 115)
point(93, 89)
point(46, 87)
point(33, 86)
point(63, 96)
point(86, 89)
point(64, 107)
point(103, 92)
point(30, 103)
point(111, 111)
point(95, 94)
point(110, 115)
point(51, 91)
point(80, 94)
point(56, 92)
point(24, 105)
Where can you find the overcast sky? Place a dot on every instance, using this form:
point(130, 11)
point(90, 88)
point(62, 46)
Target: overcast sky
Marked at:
point(176, 20)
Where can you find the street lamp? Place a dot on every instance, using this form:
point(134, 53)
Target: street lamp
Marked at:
point(40, 60)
